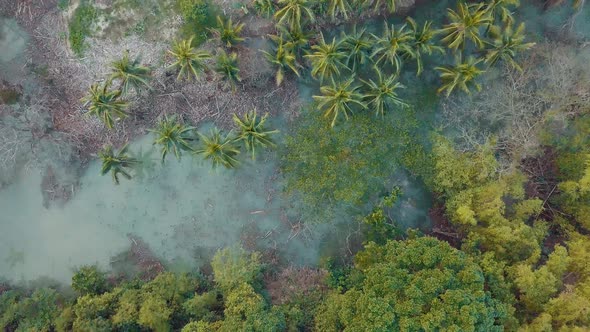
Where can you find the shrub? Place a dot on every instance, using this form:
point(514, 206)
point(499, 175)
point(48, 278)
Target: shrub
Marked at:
point(80, 25)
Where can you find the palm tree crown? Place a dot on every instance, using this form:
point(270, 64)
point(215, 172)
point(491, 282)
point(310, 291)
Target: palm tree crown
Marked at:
point(189, 61)
point(227, 67)
point(358, 47)
point(131, 73)
point(392, 45)
point(106, 104)
point(227, 32)
point(339, 98)
point(220, 150)
point(382, 95)
point(506, 45)
point(252, 132)
point(461, 76)
point(116, 163)
point(338, 7)
point(422, 42)
point(326, 59)
point(292, 12)
point(283, 59)
point(465, 24)
point(172, 136)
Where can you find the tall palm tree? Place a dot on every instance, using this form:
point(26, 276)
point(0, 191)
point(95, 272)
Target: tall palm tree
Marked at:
point(461, 76)
point(131, 73)
point(189, 61)
point(283, 59)
point(338, 7)
point(465, 24)
point(382, 95)
point(390, 4)
point(220, 150)
point(499, 8)
point(358, 47)
point(172, 136)
point(339, 98)
point(295, 40)
point(326, 58)
point(227, 67)
point(227, 32)
point(116, 163)
point(506, 45)
point(422, 42)
point(106, 105)
point(392, 45)
point(292, 12)
point(264, 8)
point(252, 132)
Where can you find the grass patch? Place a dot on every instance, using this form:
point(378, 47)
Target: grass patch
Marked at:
point(9, 96)
point(199, 16)
point(80, 26)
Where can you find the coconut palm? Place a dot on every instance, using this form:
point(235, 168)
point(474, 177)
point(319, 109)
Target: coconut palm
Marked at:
point(461, 76)
point(392, 45)
point(292, 12)
point(220, 150)
point(227, 32)
point(295, 40)
point(358, 47)
point(338, 7)
point(381, 95)
point(326, 59)
point(252, 132)
point(422, 42)
point(506, 45)
point(283, 59)
point(465, 24)
point(189, 61)
point(227, 67)
point(390, 4)
point(106, 104)
point(499, 8)
point(131, 73)
point(264, 8)
point(116, 163)
point(339, 98)
point(173, 136)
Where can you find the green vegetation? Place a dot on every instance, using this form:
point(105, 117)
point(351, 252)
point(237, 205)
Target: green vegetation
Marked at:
point(173, 136)
point(130, 73)
point(338, 99)
point(283, 59)
point(227, 67)
point(80, 26)
point(227, 32)
point(189, 62)
point(461, 76)
point(252, 132)
point(221, 150)
point(199, 17)
point(117, 164)
point(106, 105)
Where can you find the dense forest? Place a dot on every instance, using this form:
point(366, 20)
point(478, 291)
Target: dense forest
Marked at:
point(351, 104)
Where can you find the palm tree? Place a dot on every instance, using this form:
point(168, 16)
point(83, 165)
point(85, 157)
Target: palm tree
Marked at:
point(506, 44)
point(422, 42)
point(336, 7)
point(390, 4)
point(295, 40)
point(189, 61)
point(264, 8)
point(325, 59)
point(252, 132)
point(227, 67)
point(292, 12)
point(220, 150)
point(227, 32)
point(499, 8)
point(358, 47)
point(461, 76)
point(465, 24)
point(131, 73)
point(106, 104)
point(392, 45)
point(172, 136)
point(339, 98)
point(116, 163)
point(382, 95)
point(283, 59)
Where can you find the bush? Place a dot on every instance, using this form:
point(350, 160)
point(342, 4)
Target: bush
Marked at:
point(199, 16)
point(79, 27)
point(89, 280)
